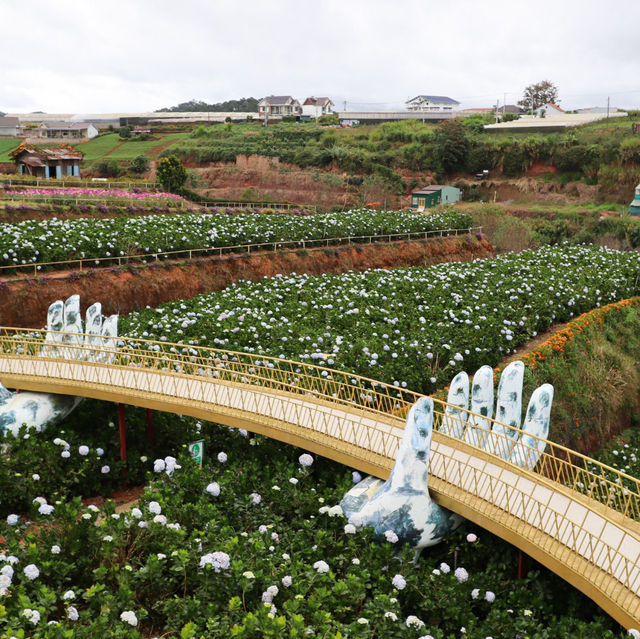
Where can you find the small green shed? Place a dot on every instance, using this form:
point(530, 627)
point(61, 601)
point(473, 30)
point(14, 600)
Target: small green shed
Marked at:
point(430, 196)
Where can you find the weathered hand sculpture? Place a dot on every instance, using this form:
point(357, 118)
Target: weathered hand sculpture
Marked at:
point(63, 340)
point(523, 449)
point(402, 503)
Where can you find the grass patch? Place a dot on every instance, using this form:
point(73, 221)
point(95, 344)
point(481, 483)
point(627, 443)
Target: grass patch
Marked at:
point(593, 366)
point(111, 146)
point(7, 145)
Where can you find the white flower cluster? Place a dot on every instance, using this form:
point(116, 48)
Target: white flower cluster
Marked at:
point(32, 615)
point(321, 567)
point(129, 616)
point(391, 536)
point(168, 465)
point(213, 489)
point(305, 460)
point(399, 582)
point(218, 560)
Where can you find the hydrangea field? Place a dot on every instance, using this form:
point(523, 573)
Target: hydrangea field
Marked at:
point(412, 327)
point(251, 545)
point(36, 241)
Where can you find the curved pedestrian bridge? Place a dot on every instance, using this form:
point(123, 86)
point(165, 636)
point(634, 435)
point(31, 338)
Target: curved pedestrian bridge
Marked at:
point(574, 515)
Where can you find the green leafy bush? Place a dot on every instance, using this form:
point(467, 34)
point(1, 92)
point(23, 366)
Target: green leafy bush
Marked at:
point(109, 168)
point(171, 174)
point(139, 164)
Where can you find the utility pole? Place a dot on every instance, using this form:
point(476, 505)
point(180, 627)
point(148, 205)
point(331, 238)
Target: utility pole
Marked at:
point(504, 105)
point(608, 100)
point(497, 109)
point(345, 105)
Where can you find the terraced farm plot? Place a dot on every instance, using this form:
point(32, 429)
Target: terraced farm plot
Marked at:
point(112, 147)
point(57, 239)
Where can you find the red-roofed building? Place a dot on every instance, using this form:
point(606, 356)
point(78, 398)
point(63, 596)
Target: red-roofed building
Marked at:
point(548, 110)
point(58, 162)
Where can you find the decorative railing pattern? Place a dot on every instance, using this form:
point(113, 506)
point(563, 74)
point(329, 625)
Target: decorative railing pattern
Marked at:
point(573, 513)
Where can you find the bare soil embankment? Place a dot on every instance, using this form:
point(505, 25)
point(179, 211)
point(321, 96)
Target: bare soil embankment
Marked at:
point(24, 302)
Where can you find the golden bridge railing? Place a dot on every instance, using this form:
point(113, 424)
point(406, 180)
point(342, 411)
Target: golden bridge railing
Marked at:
point(577, 515)
point(591, 478)
point(574, 514)
point(581, 544)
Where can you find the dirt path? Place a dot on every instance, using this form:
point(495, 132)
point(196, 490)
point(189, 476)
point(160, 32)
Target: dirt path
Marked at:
point(531, 345)
point(125, 498)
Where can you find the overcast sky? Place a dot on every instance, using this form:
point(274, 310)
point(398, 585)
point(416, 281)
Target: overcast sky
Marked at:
point(83, 56)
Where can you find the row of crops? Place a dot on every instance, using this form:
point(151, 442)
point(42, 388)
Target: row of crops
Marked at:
point(412, 327)
point(52, 240)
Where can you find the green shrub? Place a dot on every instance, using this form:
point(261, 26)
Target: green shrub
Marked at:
point(575, 158)
point(108, 168)
point(139, 164)
point(630, 150)
point(452, 145)
point(328, 120)
point(171, 174)
point(515, 162)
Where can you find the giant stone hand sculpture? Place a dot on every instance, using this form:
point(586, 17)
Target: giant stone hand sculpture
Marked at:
point(502, 439)
point(63, 340)
point(481, 407)
point(455, 414)
point(402, 503)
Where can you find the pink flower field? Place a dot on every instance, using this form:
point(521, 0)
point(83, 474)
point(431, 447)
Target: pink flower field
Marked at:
point(93, 193)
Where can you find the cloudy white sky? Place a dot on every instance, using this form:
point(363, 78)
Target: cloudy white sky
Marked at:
point(85, 56)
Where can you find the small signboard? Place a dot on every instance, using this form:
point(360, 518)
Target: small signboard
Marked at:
point(196, 450)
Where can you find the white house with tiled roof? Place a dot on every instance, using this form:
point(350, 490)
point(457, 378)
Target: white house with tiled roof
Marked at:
point(10, 126)
point(278, 106)
point(432, 103)
point(315, 107)
point(64, 130)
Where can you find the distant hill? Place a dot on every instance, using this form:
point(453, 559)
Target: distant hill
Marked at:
point(243, 104)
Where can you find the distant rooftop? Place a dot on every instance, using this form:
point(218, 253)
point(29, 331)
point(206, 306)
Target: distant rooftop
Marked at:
point(278, 100)
point(430, 189)
point(441, 99)
point(64, 126)
point(553, 121)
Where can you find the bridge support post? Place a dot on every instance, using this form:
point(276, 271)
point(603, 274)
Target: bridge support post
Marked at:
point(123, 437)
point(522, 565)
point(150, 434)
